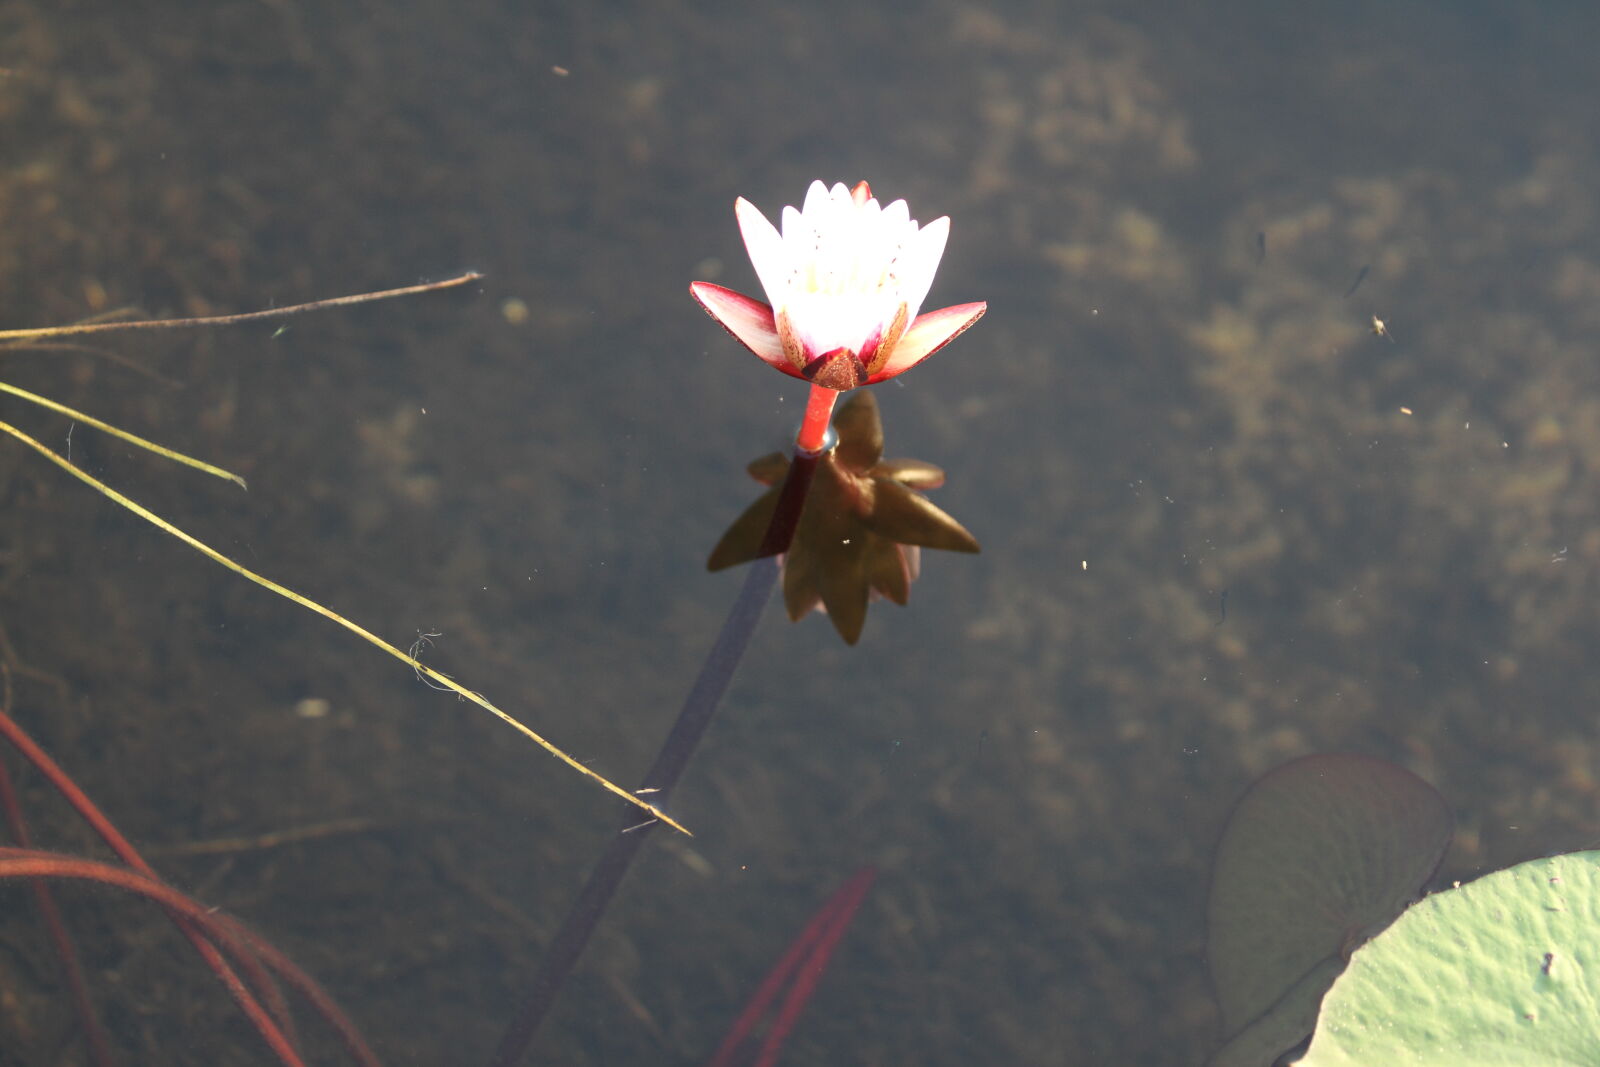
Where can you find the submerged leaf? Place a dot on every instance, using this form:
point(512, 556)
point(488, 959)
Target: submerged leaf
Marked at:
point(888, 570)
point(1319, 855)
point(860, 433)
point(742, 541)
point(859, 530)
point(911, 519)
point(770, 468)
point(912, 473)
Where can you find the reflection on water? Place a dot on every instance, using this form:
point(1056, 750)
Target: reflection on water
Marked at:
point(1039, 751)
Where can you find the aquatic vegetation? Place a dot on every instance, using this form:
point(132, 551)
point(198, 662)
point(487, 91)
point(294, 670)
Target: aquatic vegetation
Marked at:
point(1318, 855)
point(249, 967)
point(54, 333)
point(847, 279)
point(860, 530)
point(1316, 930)
point(847, 274)
point(799, 970)
point(1499, 970)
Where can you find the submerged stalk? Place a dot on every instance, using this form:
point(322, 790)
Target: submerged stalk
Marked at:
point(679, 747)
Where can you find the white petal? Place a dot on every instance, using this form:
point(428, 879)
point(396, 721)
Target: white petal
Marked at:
point(817, 196)
point(768, 251)
point(919, 262)
point(839, 275)
point(825, 321)
point(794, 226)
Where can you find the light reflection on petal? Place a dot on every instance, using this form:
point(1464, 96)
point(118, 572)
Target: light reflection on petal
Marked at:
point(842, 273)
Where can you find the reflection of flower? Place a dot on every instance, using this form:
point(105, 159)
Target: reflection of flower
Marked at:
point(861, 527)
point(845, 280)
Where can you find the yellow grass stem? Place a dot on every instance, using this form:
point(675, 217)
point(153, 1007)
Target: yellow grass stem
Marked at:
point(149, 516)
point(132, 439)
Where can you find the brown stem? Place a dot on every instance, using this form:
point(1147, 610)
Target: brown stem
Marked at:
point(791, 502)
point(233, 320)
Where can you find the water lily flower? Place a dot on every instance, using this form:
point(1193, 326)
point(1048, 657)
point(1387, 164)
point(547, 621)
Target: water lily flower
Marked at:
point(861, 529)
point(845, 280)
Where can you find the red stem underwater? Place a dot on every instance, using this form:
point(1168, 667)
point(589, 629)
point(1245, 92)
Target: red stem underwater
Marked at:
point(275, 1031)
point(837, 915)
point(55, 926)
point(29, 863)
point(803, 961)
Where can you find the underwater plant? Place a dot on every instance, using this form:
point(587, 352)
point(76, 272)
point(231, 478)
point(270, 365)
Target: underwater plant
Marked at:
point(227, 947)
point(249, 967)
point(1318, 855)
point(1497, 971)
point(36, 335)
point(861, 531)
point(846, 278)
point(796, 975)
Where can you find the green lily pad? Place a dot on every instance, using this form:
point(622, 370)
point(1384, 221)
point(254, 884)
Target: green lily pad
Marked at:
point(1502, 971)
point(1320, 854)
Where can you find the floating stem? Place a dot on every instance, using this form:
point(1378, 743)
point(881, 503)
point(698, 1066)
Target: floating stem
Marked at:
point(46, 332)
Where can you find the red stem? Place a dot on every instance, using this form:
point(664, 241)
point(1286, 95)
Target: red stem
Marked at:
point(273, 1032)
point(71, 969)
point(125, 851)
point(814, 426)
point(807, 956)
point(75, 796)
point(302, 982)
point(196, 918)
point(808, 449)
point(838, 911)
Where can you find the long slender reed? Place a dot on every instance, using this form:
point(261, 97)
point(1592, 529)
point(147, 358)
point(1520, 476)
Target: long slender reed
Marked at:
point(21, 338)
point(44, 333)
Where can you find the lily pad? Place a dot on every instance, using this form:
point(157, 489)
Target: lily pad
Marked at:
point(1502, 971)
point(1319, 855)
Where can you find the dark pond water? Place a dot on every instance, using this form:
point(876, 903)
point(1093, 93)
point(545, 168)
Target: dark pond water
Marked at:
point(1173, 397)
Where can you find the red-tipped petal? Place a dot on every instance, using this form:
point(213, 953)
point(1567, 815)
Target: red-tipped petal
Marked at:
point(931, 332)
point(748, 320)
